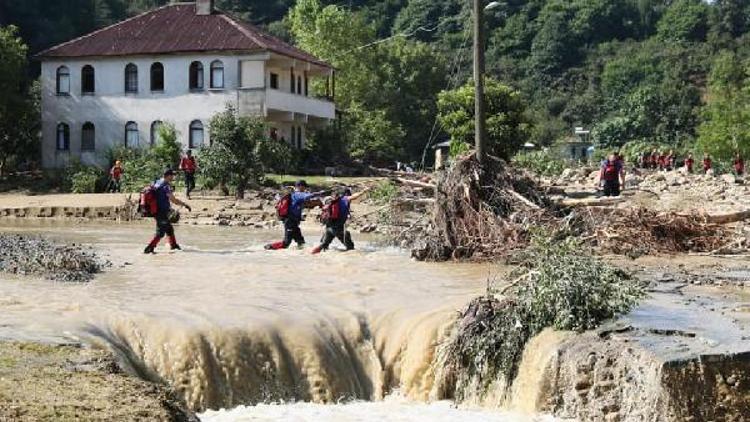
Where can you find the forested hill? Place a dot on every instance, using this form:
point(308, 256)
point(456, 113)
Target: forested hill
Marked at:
point(672, 72)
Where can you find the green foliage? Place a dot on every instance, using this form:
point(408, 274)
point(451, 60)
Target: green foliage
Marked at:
point(142, 166)
point(240, 153)
point(558, 285)
point(726, 118)
point(545, 163)
point(684, 20)
point(384, 192)
point(19, 104)
point(373, 138)
point(86, 180)
point(507, 126)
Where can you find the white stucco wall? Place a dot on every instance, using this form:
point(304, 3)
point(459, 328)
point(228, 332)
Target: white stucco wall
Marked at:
point(110, 108)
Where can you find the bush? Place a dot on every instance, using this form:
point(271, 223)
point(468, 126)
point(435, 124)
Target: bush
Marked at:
point(542, 163)
point(86, 180)
point(144, 165)
point(558, 284)
point(384, 192)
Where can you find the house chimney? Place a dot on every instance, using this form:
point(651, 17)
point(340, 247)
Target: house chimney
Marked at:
point(204, 7)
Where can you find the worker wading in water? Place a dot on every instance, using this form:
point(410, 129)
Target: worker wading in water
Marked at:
point(159, 197)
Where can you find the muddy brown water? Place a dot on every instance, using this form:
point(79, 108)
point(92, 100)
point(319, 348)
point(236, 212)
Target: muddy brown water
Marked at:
point(228, 323)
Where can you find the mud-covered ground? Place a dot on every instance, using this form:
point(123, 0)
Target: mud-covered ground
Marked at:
point(40, 382)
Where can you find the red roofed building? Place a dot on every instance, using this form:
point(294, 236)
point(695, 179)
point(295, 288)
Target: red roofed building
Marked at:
point(181, 64)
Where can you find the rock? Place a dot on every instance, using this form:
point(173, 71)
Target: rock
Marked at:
point(728, 178)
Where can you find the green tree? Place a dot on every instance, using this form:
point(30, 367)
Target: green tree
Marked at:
point(507, 125)
point(373, 138)
point(19, 106)
point(725, 126)
point(684, 20)
point(240, 153)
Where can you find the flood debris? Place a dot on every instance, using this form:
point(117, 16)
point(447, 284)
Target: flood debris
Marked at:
point(35, 255)
point(481, 211)
point(558, 285)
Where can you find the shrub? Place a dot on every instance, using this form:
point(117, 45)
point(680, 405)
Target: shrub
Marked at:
point(384, 192)
point(86, 180)
point(543, 163)
point(558, 284)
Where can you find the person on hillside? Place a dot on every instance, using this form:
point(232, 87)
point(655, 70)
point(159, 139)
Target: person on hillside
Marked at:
point(643, 160)
point(654, 159)
point(707, 163)
point(164, 198)
point(689, 162)
point(663, 161)
point(189, 166)
point(671, 160)
point(293, 217)
point(115, 177)
point(739, 164)
point(335, 215)
point(612, 175)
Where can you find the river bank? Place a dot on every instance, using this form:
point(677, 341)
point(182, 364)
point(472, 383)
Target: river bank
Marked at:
point(69, 382)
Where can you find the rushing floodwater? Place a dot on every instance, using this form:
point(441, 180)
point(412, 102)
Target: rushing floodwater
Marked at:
point(228, 323)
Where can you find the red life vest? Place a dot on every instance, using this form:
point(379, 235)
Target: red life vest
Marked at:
point(148, 206)
point(610, 171)
point(283, 206)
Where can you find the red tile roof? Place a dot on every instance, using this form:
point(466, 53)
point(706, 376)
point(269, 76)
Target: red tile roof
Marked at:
point(176, 28)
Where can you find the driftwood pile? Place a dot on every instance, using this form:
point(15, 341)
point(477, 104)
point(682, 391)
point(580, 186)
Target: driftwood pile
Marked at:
point(488, 212)
point(640, 231)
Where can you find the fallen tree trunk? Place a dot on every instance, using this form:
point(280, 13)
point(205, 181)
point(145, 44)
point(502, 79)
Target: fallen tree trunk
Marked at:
point(733, 217)
point(592, 202)
point(413, 183)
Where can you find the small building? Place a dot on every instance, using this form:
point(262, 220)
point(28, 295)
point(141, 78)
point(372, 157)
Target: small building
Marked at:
point(442, 153)
point(576, 147)
point(181, 63)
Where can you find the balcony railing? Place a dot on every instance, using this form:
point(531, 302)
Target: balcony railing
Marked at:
point(255, 100)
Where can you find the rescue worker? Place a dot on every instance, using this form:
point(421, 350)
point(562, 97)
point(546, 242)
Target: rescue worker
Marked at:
point(689, 162)
point(293, 219)
point(189, 166)
point(707, 163)
point(654, 159)
point(115, 177)
point(671, 160)
point(164, 198)
point(612, 176)
point(739, 164)
point(338, 213)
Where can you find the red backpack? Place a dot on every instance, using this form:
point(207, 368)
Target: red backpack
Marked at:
point(147, 205)
point(283, 206)
point(331, 212)
point(610, 170)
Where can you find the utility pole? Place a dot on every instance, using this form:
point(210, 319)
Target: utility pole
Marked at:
point(480, 132)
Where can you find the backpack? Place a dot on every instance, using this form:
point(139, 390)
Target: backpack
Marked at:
point(147, 204)
point(283, 206)
point(331, 212)
point(610, 170)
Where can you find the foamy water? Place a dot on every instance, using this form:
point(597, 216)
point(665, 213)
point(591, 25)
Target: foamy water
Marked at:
point(393, 409)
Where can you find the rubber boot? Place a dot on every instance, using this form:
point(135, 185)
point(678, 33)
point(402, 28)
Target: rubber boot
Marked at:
point(173, 244)
point(274, 246)
point(149, 250)
point(316, 250)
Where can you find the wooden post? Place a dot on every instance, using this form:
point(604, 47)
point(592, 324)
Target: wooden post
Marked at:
point(479, 104)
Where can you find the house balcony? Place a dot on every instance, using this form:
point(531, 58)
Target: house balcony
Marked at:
point(282, 105)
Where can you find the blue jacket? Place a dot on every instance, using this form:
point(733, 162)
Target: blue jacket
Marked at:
point(298, 203)
point(345, 208)
point(163, 190)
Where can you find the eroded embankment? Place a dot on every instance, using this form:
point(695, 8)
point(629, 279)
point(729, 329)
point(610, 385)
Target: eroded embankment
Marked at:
point(41, 382)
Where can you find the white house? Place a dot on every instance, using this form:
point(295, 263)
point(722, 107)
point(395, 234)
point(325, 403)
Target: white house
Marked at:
point(181, 63)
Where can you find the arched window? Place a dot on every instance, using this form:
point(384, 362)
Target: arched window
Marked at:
point(196, 134)
point(131, 78)
point(132, 137)
point(196, 75)
point(217, 74)
point(291, 86)
point(63, 137)
point(63, 81)
point(155, 135)
point(157, 77)
point(88, 137)
point(88, 83)
point(299, 85)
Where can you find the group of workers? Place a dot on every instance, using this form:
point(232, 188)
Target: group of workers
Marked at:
point(336, 210)
point(612, 170)
point(188, 166)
